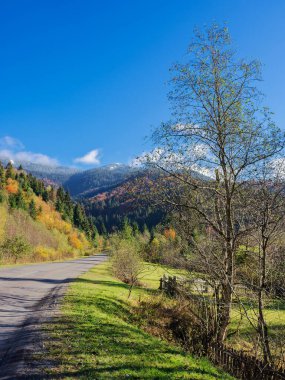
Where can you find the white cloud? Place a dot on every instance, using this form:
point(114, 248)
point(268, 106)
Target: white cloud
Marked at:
point(11, 142)
point(13, 149)
point(90, 158)
point(24, 156)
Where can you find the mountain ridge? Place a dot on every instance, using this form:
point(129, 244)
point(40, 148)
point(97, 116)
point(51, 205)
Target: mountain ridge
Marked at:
point(79, 182)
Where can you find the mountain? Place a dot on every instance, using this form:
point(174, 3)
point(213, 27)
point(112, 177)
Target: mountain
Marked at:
point(56, 175)
point(109, 193)
point(81, 183)
point(88, 183)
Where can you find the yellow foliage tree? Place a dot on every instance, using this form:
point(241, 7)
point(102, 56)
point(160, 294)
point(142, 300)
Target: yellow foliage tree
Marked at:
point(75, 241)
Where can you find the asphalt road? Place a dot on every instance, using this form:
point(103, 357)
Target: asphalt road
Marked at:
point(25, 291)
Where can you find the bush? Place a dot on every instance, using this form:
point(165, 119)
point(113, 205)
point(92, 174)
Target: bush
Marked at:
point(187, 321)
point(2, 197)
point(15, 248)
point(126, 262)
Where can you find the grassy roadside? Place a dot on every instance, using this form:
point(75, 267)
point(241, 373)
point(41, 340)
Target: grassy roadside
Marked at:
point(95, 337)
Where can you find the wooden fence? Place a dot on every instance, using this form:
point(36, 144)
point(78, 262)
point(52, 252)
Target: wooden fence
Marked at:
point(236, 363)
point(243, 366)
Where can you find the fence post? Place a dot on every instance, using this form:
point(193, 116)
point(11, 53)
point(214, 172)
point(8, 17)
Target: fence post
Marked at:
point(160, 284)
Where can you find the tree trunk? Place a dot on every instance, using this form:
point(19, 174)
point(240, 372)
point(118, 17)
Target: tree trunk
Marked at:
point(263, 330)
point(262, 325)
point(226, 295)
point(224, 312)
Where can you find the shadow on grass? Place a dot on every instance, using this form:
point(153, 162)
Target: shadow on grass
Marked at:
point(96, 374)
point(140, 356)
point(116, 284)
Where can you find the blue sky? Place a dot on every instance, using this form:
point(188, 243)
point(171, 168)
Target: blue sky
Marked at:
point(89, 77)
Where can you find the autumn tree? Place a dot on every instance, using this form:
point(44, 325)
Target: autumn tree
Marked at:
point(217, 139)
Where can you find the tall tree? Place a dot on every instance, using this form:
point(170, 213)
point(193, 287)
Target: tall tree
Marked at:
point(218, 130)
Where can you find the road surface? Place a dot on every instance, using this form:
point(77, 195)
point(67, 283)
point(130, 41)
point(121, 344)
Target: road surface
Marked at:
point(26, 293)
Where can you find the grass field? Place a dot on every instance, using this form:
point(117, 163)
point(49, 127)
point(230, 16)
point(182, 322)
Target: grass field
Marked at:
point(274, 313)
point(96, 338)
point(242, 334)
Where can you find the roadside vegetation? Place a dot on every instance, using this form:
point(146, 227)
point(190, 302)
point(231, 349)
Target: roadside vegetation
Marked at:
point(97, 336)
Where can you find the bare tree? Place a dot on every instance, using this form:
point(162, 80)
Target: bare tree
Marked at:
point(213, 147)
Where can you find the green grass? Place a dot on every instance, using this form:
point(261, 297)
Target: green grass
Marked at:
point(241, 331)
point(275, 317)
point(153, 272)
point(96, 338)
point(274, 313)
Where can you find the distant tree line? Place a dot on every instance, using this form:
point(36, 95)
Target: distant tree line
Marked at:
point(109, 214)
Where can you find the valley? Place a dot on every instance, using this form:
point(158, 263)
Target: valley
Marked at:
point(142, 190)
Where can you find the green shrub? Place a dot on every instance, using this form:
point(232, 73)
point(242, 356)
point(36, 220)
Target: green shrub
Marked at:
point(15, 248)
point(2, 197)
point(126, 262)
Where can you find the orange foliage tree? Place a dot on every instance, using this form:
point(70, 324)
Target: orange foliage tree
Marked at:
point(12, 186)
point(170, 233)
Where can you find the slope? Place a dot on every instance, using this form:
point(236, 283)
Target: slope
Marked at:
point(39, 223)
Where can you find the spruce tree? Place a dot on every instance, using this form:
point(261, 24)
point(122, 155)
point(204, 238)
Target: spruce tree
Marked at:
point(10, 171)
point(45, 195)
point(2, 176)
point(127, 231)
point(136, 229)
point(20, 201)
point(78, 216)
point(32, 209)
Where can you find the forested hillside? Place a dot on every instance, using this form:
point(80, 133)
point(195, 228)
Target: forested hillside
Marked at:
point(40, 222)
point(109, 193)
point(126, 200)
